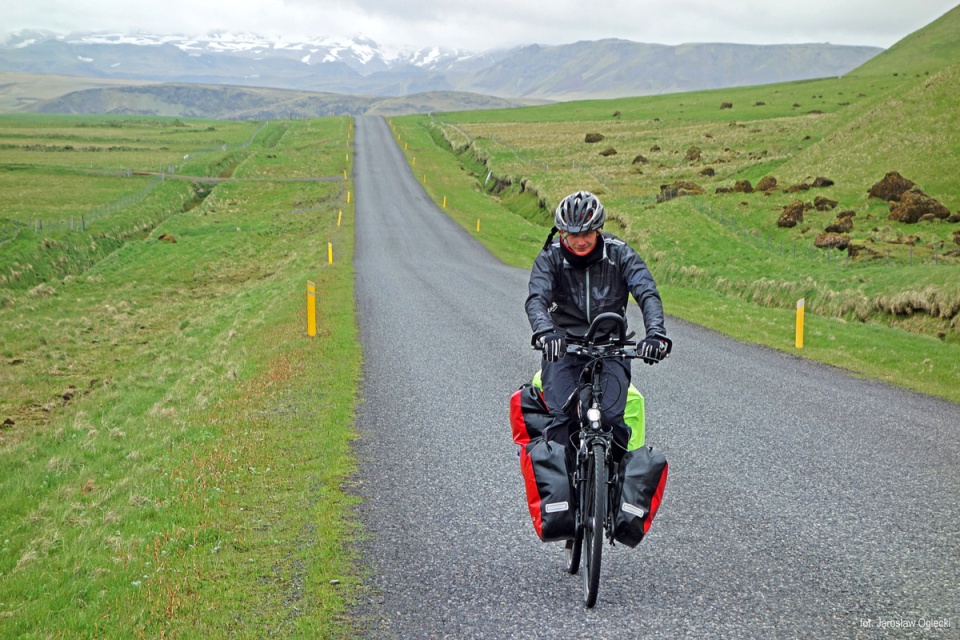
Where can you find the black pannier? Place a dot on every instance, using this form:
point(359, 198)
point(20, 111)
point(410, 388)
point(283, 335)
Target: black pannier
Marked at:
point(549, 492)
point(641, 478)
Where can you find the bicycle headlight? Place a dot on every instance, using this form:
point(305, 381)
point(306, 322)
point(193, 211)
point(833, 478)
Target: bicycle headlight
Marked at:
point(593, 414)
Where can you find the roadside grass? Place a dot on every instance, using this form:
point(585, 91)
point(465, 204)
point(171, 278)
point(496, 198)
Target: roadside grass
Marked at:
point(176, 462)
point(891, 313)
point(916, 362)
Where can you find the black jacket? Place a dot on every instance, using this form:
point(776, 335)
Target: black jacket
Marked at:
point(566, 297)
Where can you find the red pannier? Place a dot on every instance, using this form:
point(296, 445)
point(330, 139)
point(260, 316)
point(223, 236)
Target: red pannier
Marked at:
point(543, 464)
point(529, 416)
point(641, 479)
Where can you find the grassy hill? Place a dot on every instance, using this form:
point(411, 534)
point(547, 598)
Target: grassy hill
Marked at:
point(247, 103)
point(21, 91)
point(47, 93)
point(888, 305)
point(925, 51)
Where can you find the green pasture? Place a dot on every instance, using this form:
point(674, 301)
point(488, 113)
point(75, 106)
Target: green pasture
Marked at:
point(173, 448)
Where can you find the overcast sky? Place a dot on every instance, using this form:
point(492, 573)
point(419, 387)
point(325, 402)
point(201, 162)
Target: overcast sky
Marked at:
point(479, 25)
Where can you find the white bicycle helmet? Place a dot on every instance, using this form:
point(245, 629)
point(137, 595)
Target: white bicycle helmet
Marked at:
point(579, 212)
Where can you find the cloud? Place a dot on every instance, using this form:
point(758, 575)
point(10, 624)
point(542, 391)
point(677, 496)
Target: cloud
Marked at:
point(491, 24)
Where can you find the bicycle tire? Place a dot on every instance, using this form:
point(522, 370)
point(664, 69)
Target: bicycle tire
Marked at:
point(595, 516)
point(574, 552)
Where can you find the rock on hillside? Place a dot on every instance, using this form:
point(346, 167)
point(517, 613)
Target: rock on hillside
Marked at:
point(891, 187)
point(792, 214)
point(915, 205)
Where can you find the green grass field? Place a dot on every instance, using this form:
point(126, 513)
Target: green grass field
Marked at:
point(174, 448)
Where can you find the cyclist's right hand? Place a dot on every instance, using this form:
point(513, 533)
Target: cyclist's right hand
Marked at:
point(554, 346)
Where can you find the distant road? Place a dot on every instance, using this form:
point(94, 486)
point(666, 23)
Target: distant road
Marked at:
point(802, 502)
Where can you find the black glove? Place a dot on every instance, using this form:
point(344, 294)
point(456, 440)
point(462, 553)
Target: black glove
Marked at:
point(652, 350)
point(554, 346)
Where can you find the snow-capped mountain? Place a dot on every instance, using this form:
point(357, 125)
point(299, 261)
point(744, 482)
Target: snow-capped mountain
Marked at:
point(361, 67)
point(360, 53)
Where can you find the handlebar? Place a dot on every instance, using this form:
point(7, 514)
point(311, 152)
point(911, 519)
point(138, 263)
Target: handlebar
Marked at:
point(619, 350)
point(622, 347)
point(604, 317)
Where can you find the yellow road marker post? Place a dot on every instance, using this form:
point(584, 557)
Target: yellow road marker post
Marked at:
point(329, 253)
point(444, 202)
point(339, 218)
point(800, 306)
point(478, 225)
point(311, 309)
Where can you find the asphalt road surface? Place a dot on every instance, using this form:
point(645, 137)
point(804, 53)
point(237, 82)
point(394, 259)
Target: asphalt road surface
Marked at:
point(801, 503)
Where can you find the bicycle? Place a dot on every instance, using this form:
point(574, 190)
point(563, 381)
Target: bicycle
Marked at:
point(595, 467)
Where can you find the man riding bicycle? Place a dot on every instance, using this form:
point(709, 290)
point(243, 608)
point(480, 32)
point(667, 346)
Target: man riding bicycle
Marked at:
point(574, 279)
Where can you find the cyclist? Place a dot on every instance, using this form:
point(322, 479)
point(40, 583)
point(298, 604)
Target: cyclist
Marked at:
point(575, 278)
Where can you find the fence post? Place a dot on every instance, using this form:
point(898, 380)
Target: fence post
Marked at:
point(799, 337)
point(311, 309)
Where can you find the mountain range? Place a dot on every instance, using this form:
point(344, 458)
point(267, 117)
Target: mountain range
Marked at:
point(358, 66)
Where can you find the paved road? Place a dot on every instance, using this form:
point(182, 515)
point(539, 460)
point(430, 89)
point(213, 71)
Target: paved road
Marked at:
point(802, 502)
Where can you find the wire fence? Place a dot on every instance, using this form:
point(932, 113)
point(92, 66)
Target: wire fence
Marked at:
point(80, 221)
point(10, 230)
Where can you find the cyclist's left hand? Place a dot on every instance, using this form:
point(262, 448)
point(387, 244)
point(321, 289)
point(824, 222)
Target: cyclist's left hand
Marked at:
point(652, 350)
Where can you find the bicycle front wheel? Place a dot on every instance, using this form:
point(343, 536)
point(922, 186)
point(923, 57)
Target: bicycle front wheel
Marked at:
point(594, 516)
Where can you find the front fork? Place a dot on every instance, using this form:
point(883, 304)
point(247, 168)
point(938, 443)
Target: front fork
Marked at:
point(593, 436)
